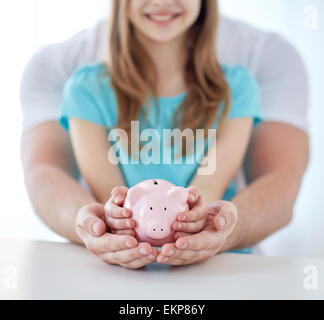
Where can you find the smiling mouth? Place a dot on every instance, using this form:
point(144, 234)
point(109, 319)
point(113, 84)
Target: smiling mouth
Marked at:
point(162, 18)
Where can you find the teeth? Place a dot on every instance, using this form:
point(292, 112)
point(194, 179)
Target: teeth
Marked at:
point(161, 18)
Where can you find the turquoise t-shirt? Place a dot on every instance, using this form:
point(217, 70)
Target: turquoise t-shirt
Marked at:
point(89, 95)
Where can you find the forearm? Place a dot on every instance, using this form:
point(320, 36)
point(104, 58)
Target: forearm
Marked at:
point(224, 159)
point(57, 198)
point(91, 149)
point(265, 206)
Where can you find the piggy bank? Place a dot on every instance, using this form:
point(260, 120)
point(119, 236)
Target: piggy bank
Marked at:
point(155, 205)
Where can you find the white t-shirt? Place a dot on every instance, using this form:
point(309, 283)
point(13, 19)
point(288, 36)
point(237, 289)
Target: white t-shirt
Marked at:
point(274, 62)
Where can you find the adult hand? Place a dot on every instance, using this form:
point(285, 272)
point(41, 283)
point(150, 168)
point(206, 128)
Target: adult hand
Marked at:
point(123, 250)
point(189, 249)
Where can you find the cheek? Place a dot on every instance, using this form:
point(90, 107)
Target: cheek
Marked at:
point(192, 10)
point(134, 9)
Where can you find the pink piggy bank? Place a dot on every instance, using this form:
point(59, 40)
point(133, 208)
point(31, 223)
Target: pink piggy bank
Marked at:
point(155, 205)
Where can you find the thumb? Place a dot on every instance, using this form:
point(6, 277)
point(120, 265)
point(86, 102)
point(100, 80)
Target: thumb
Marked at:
point(226, 217)
point(215, 207)
point(119, 194)
point(95, 226)
point(90, 219)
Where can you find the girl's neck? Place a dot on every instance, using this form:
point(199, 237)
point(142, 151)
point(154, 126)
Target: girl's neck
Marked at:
point(169, 60)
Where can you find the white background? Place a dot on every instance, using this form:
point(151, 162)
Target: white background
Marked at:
point(26, 25)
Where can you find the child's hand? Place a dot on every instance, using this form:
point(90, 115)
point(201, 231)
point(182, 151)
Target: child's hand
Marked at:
point(195, 219)
point(117, 218)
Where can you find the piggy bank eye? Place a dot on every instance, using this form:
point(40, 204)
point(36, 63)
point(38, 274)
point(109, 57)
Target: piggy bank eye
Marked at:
point(165, 208)
point(151, 208)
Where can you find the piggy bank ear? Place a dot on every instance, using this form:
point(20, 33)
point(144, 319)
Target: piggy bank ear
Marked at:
point(179, 193)
point(134, 194)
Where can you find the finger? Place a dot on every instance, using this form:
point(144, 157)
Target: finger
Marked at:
point(178, 235)
point(189, 257)
point(169, 252)
point(200, 241)
point(90, 220)
point(190, 227)
point(215, 207)
point(168, 249)
point(193, 194)
point(111, 243)
point(118, 194)
point(199, 211)
point(121, 257)
point(226, 217)
point(115, 211)
point(140, 263)
point(130, 232)
point(143, 261)
point(167, 255)
point(120, 224)
point(127, 256)
point(174, 262)
point(178, 254)
point(219, 222)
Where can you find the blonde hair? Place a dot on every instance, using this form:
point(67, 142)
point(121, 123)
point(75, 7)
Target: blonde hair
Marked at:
point(133, 75)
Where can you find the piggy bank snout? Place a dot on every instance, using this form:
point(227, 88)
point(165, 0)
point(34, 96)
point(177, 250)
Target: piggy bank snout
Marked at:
point(158, 230)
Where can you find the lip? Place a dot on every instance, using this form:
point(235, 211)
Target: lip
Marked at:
point(161, 16)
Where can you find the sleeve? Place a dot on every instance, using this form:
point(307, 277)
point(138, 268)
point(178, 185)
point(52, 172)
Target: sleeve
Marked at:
point(283, 79)
point(43, 79)
point(82, 99)
point(41, 87)
point(245, 95)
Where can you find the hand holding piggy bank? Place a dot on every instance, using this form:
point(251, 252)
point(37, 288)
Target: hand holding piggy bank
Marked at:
point(155, 205)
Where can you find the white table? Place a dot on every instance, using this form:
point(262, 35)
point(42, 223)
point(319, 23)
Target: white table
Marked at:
point(47, 270)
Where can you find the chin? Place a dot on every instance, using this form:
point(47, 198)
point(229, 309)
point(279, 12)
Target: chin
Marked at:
point(162, 38)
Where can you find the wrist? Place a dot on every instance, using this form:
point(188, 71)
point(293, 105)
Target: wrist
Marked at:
point(76, 238)
point(75, 222)
point(233, 240)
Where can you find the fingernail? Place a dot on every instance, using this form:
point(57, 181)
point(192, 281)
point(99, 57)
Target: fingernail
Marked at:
point(179, 225)
point(128, 224)
point(165, 259)
point(222, 222)
point(183, 218)
point(95, 227)
point(183, 246)
point(125, 213)
point(143, 251)
point(192, 197)
point(170, 252)
point(118, 199)
point(150, 257)
point(129, 244)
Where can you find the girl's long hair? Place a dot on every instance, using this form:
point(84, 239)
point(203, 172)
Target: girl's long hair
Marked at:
point(133, 74)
